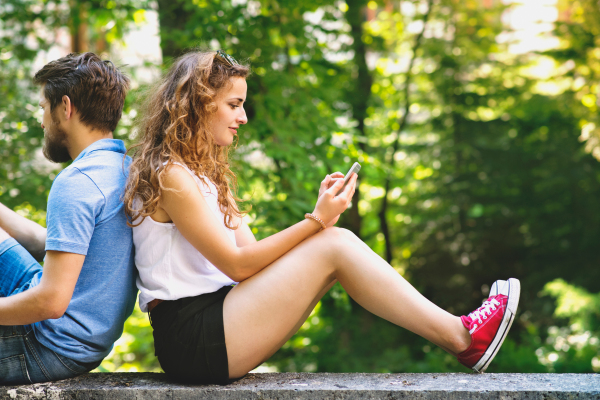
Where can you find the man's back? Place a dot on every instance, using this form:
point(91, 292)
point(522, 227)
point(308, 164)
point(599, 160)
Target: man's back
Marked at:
point(85, 216)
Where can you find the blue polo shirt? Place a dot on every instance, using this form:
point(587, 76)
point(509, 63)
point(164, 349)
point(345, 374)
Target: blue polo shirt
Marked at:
point(85, 216)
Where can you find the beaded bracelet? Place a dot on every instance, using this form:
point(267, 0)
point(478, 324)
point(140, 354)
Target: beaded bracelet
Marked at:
point(315, 218)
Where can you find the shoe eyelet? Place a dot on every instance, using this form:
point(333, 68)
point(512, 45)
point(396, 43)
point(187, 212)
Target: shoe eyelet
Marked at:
point(484, 317)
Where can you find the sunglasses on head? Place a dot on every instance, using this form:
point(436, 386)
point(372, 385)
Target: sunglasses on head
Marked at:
point(226, 58)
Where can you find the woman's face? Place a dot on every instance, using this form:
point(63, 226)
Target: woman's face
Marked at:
point(230, 113)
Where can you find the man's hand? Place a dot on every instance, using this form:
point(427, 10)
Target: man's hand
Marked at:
point(49, 299)
point(30, 235)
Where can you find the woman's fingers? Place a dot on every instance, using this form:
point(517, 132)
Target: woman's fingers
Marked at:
point(325, 183)
point(350, 188)
point(329, 181)
point(337, 185)
point(334, 180)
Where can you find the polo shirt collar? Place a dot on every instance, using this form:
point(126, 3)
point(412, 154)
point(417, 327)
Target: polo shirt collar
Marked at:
point(115, 145)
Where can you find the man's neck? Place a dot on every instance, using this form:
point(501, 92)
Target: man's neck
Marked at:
point(79, 142)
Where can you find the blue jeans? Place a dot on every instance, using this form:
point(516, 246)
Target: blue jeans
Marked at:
point(23, 359)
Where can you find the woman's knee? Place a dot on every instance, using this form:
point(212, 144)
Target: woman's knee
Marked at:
point(338, 234)
point(333, 241)
point(329, 245)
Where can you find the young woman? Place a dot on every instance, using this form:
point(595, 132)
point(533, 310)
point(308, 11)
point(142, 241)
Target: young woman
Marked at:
point(221, 302)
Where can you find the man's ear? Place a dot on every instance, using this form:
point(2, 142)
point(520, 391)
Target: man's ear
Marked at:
point(68, 107)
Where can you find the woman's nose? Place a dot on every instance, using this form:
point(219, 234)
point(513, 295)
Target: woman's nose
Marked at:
point(242, 119)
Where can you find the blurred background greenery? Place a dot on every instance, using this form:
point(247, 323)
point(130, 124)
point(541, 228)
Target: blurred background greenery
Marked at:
point(479, 151)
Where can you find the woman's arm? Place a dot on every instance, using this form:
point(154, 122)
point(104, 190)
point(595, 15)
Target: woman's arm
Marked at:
point(187, 208)
point(243, 234)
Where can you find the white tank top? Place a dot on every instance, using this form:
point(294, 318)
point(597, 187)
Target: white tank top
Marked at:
point(169, 267)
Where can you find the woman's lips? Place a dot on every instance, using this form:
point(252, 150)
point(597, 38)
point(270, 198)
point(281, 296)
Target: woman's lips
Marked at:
point(234, 130)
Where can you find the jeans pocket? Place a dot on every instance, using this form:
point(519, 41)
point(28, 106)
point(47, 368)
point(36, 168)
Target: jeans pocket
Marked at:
point(73, 367)
point(13, 370)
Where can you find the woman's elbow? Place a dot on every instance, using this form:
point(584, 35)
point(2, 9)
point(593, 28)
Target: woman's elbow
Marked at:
point(237, 275)
point(236, 266)
point(237, 272)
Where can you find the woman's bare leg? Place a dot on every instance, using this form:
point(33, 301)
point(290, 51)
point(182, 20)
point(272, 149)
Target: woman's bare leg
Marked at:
point(301, 321)
point(264, 311)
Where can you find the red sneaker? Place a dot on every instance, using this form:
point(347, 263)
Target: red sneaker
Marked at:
point(489, 325)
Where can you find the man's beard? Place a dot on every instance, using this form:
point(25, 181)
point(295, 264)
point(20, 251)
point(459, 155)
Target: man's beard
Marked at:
point(55, 142)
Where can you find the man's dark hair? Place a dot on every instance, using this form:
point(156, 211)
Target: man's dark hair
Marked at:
point(96, 88)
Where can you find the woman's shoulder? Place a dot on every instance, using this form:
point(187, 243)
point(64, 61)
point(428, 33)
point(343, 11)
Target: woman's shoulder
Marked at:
point(176, 174)
point(170, 166)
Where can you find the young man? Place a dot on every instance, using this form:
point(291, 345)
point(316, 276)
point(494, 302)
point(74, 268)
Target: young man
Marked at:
point(62, 320)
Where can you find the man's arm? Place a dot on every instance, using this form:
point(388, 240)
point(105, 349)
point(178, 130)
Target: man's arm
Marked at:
point(30, 235)
point(49, 299)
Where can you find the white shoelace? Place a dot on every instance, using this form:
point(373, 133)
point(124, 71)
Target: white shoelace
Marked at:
point(485, 310)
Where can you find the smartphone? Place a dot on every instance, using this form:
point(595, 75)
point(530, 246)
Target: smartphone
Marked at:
point(354, 169)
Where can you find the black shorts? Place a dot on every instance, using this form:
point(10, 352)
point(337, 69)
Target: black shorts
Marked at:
point(189, 338)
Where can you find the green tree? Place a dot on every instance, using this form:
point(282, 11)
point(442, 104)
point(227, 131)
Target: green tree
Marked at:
point(21, 134)
point(575, 346)
point(27, 29)
point(490, 182)
point(474, 169)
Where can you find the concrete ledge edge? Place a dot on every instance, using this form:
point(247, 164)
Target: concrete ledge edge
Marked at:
point(100, 386)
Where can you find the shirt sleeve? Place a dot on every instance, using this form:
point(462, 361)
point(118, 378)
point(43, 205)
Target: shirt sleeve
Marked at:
point(75, 204)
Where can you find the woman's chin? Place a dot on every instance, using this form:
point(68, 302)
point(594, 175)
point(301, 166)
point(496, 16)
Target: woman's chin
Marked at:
point(225, 143)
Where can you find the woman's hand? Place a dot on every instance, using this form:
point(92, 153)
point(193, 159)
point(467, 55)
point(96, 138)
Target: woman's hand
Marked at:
point(329, 206)
point(329, 181)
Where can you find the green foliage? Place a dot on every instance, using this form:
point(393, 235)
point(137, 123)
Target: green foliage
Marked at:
point(23, 176)
point(27, 30)
point(579, 54)
point(576, 346)
point(487, 175)
point(134, 351)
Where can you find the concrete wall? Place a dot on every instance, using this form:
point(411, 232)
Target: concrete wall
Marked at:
point(319, 386)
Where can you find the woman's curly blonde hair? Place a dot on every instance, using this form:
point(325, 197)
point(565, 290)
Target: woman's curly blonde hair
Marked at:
point(174, 127)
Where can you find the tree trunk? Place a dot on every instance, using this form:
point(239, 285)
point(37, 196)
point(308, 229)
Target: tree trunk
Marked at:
point(392, 160)
point(172, 17)
point(359, 96)
point(78, 27)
